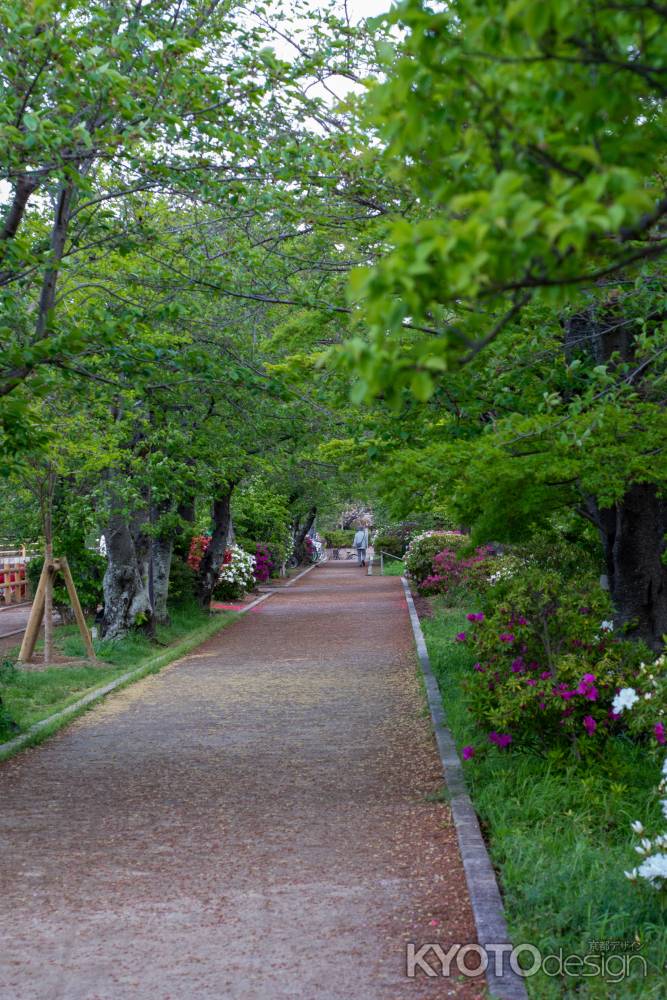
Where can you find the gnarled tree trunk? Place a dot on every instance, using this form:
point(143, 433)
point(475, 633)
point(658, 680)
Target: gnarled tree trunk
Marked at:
point(209, 567)
point(125, 585)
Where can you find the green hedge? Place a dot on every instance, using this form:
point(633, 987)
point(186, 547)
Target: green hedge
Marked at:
point(336, 539)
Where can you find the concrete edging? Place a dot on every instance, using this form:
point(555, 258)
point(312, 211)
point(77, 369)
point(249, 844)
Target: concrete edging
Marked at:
point(483, 888)
point(148, 667)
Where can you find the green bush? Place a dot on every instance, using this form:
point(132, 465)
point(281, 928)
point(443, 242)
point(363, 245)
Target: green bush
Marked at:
point(423, 549)
point(87, 569)
point(262, 517)
point(394, 544)
point(336, 539)
point(181, 583)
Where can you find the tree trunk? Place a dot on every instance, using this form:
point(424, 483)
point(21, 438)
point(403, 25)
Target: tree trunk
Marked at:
point(300, 532)
point(633, 536)
point(632, 530)
point(126, 599)
point(162, 552)
point(209, 568)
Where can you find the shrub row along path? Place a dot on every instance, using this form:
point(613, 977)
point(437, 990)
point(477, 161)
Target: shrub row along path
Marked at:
point(259, 821)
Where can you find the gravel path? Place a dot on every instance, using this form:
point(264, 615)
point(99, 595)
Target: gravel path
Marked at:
point(258, 821)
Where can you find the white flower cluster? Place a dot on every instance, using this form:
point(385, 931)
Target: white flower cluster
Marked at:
point(625, 698)
point(506, 567)
point(653, 868)
point(414, 541)
point(240, 570)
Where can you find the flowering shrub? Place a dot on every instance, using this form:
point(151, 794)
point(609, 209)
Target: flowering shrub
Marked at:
point(198, 546)
point(452, 572)
point(264, 563)
point(647, 697)
point(546, 671)
point(237, 574)
point(653, 868)
point(423, 549)
point(506, 567)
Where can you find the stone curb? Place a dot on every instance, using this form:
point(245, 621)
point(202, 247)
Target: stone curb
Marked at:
point(487, 905)
point(159, 661)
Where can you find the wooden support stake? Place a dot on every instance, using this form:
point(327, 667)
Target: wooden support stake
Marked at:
point(35, 619)
point(76, 606)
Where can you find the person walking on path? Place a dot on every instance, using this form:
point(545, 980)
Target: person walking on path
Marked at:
point(361, 544)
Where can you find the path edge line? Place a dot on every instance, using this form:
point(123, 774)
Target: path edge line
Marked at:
point(485, 898)
point(149, 666)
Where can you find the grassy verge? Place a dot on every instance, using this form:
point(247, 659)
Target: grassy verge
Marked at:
point(559, 837)
point(393, 567)
point(29, 697)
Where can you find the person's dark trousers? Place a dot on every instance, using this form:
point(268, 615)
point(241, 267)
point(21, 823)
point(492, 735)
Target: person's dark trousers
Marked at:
point(361, 557)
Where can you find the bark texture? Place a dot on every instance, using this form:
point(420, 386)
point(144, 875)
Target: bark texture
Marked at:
point(162, 552)
point(299, 532)
point(633, 537)
point(209, 568)
point(126, 599)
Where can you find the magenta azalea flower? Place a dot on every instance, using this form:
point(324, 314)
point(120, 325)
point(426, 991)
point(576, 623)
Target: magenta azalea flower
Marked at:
point(468, 752)
point(501, 740)
point(590, 725)
point(461, 637)
point(479, 668)
point(587, 687)
point(506, 637)
point(659, 731)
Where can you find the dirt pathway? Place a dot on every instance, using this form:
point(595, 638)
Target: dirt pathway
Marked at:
point(255, 822)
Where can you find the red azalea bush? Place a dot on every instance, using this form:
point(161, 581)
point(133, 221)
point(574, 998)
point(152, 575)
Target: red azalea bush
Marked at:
point(547, 664)
point(198, 546)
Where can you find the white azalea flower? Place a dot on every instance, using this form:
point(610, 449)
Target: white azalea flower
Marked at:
point(654, 869)
point(626, 698)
